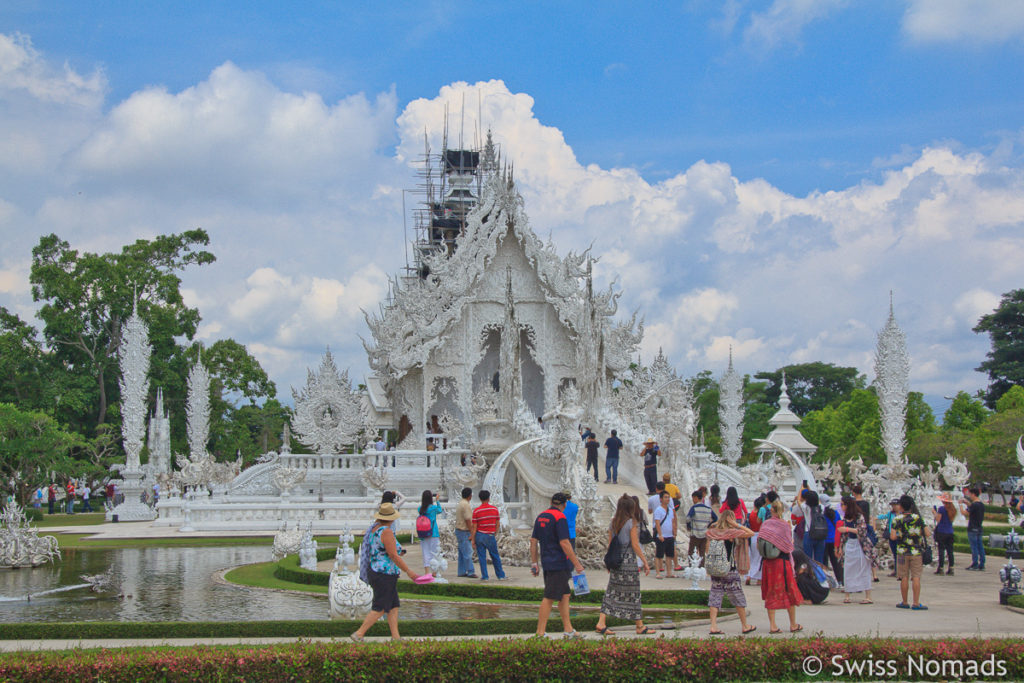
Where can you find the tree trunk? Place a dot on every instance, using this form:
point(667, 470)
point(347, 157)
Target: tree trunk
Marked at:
point(101, 417)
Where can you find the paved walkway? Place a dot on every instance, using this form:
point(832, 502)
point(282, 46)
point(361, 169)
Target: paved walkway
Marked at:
point(960, 606)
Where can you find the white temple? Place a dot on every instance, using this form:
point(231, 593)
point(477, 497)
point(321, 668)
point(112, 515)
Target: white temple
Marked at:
point(490, 353)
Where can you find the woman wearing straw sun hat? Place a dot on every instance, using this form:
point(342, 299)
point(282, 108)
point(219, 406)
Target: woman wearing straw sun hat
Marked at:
point(386, 564)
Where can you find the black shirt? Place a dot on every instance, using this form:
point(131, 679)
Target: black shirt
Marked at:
point(592, 447)
point(976, 515)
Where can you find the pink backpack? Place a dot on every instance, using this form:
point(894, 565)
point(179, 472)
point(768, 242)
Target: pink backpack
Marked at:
point(424, 529)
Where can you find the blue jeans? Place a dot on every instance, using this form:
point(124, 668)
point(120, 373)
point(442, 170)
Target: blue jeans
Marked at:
point(465, 553)
point(814, 549)
point(611, 469)
point(486, 543)
point(977, 548)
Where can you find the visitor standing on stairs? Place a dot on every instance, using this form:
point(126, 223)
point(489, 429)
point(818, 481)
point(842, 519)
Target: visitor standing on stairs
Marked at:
point(591, 445)
point(612, 445)
point(650, 455)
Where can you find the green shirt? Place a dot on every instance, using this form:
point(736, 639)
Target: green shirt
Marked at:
point(909, 530)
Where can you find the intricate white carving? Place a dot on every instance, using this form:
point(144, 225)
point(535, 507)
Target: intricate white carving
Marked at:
point(328, 415)
point(134, 355)
point(348, 595)
point(955, 473)
point(20, 543)
point(197, 410)
point(285, 479)
point(731, 413)
point(288, 541)
point(892, 379)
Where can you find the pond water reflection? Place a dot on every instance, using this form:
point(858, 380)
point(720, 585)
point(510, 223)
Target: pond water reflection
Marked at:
point(177, 584)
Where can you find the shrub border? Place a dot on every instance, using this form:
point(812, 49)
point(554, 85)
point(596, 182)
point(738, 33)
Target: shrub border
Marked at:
point(739, 659)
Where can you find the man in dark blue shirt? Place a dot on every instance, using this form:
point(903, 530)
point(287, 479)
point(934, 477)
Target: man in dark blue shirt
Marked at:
point(550, 546)
point(591, 445)
point(611, 460)
point(650, 455)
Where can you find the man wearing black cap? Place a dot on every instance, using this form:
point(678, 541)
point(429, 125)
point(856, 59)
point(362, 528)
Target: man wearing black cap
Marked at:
point(550, 548)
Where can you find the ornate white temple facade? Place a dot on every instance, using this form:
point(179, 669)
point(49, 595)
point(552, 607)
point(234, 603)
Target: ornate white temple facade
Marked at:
point(490, 354)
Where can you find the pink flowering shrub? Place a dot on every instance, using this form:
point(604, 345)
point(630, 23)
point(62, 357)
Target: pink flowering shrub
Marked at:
point(659, 659)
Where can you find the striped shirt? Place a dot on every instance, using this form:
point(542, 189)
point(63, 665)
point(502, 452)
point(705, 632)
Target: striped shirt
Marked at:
point(486, 518)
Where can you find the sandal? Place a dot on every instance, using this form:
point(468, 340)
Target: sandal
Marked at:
point(716, 633)
point(749, 630)
point(647, 631)
point(903, 605)
point(796, 628)
point(847, 600)
point(605, 631)
point(355, 638)
point(867, 602)
point(777, 630)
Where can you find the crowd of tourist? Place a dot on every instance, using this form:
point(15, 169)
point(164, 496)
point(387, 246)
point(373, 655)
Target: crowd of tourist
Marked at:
point(797, 552)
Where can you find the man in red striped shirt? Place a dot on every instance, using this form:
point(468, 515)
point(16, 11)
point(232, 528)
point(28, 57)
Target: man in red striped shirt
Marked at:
point(481, 533)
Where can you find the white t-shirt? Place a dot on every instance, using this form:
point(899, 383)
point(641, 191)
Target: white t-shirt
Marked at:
point(653, 503)
point(665, 518)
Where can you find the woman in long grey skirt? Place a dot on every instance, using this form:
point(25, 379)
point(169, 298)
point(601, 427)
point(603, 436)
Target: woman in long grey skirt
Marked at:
point(856, 551)
point(622, 598)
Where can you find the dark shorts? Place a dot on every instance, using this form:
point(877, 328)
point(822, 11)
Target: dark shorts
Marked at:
point(385, 591)
point(666, 548)
point(556, 583)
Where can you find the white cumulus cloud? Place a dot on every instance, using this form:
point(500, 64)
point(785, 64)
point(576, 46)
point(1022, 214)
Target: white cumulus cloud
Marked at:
point(964, 21)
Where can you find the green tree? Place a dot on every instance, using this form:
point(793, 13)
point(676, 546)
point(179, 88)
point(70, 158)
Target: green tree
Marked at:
point(21, 362)
point(707, 395)
point(757, 411)
point(87, 297)
point(965, 413)
point(812, 386)
point(235, 375)
point(32, 445)
point(847, 430)
point(1005, 328)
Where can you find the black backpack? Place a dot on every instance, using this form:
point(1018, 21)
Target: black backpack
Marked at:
point(818, 528)
point(613, 558)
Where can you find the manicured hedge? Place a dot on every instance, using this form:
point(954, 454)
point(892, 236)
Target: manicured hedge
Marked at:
point(288, 570)
point(733, 659)
point(1016, 601)
point(339, 628)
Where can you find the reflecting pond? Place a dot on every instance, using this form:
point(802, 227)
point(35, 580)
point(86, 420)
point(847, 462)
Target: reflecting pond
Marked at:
point(178, 584)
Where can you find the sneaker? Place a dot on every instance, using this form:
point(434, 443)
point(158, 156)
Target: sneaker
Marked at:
point(949, 572)
point(938, 571)
point(504, 578)
point(572, 635)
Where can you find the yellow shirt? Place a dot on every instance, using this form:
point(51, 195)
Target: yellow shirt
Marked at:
point(463, 515)
point(673, 491)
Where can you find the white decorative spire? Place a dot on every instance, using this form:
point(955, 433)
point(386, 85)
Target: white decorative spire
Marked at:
point(892, 380)
point(784, 394)
point(198, 410)
point(134, 354)
point(731, 412)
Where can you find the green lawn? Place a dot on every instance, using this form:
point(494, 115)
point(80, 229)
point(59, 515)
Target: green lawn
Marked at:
point(261, 575)
point(77, 519)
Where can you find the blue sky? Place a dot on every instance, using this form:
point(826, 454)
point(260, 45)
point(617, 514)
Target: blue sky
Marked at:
point(758, 174)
